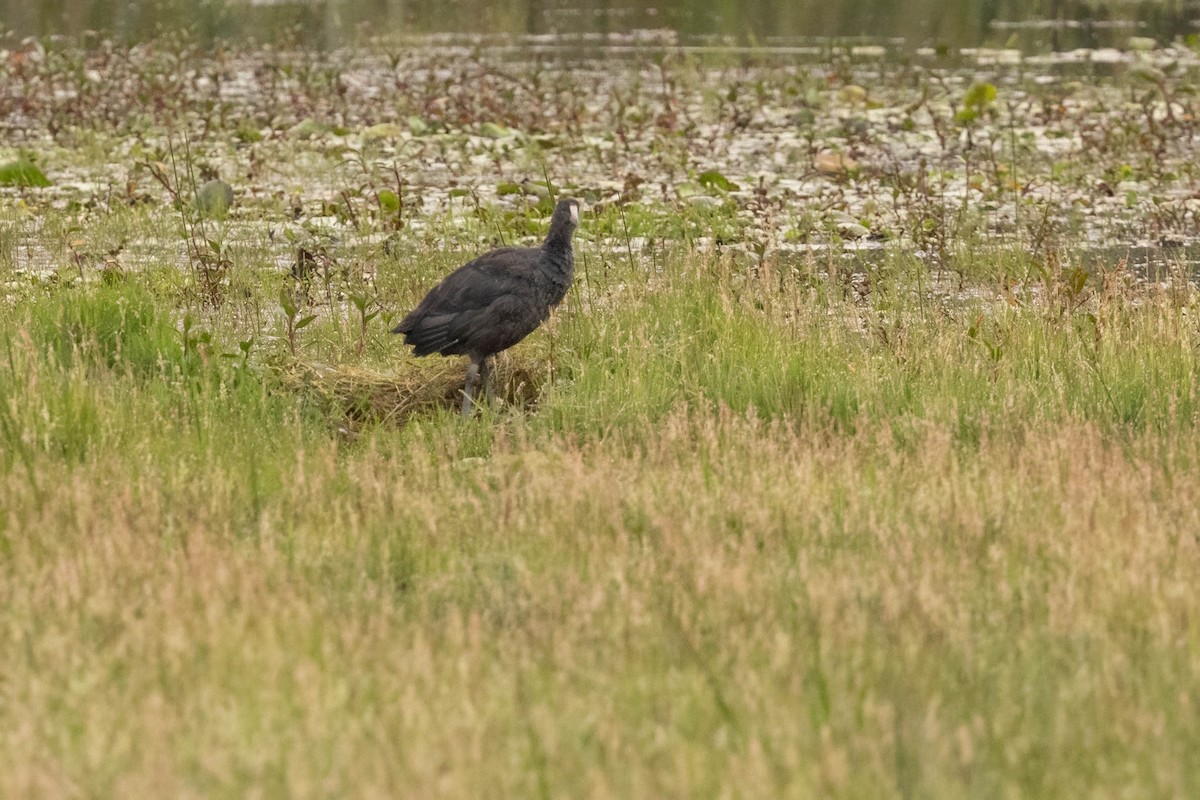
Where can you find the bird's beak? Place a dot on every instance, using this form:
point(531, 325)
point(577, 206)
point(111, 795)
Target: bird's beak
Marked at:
point(575, 213)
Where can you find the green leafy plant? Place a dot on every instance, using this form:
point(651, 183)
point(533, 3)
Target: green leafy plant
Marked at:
point(295, 322)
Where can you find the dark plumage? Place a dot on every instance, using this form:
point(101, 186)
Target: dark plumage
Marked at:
point(489, 304)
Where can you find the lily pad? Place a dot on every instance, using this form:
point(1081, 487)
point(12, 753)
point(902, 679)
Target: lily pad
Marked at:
point(22, 172)
point(307, 129)
point(852, 230)
point(832, 162)
point(384, 130)
point(531, 188)
point(853, 94)
point(418, 126)
point(248, 133)
point(389, 200)
point(536, 188)
point(491, 130)
point(214, 198)
point(979, 96)
point(713, 179)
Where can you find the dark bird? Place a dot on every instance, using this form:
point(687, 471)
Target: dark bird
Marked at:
point(489, 304)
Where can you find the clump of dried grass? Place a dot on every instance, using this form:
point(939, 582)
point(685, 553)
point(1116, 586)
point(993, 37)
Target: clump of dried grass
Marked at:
point(370, 395)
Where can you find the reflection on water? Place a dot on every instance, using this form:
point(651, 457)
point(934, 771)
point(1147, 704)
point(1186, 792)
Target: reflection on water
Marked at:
point(1031, 25)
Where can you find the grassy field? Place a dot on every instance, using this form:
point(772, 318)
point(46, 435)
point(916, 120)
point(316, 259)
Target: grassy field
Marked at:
point(743, 524)
point(749, 542)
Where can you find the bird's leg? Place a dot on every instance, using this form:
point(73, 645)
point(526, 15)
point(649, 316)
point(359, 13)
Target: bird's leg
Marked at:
point(469, 389)
point(485, 374)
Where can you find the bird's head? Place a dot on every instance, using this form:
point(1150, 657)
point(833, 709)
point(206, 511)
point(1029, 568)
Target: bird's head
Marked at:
point(566, 212)
point(563, 223)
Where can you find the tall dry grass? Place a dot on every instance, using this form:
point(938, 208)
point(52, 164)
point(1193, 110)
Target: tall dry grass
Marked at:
point(740, 543)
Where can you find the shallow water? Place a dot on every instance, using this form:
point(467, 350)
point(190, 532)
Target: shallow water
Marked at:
point(1031, 26)
point(830, 146)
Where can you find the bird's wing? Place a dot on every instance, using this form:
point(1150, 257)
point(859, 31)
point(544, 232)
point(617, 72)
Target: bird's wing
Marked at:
point(455, 308)
point(478, 283)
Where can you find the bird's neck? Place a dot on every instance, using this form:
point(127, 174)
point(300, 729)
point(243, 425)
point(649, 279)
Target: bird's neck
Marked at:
point(559, 237)
point(558, 266)
point(559, 261)
point(558, 246)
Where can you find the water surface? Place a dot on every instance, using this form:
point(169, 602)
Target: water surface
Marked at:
point(1030, 25)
